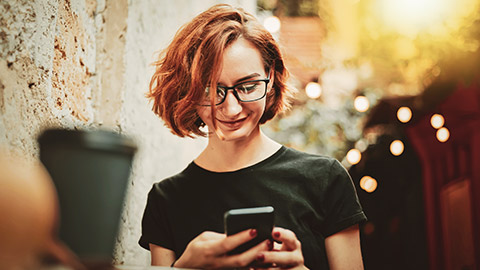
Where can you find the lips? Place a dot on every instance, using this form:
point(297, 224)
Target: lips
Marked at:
point(232, 124)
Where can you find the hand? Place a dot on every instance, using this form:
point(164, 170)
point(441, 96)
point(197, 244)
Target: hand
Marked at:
point(287, 255)
point(208, 251)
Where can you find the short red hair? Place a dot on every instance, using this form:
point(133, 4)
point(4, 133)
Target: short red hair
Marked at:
point(193, 60)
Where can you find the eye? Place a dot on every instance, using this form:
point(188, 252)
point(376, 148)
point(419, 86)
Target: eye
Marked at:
point(220, 92)
point(247, 87)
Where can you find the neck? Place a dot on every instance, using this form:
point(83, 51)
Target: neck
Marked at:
point(222, 156)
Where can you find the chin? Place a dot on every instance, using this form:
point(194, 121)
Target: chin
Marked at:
point(234, 135)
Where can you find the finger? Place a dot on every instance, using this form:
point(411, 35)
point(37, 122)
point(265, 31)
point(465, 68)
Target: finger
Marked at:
point(230, 242)
point(270, 268)
point(209, 235)
point(277, 246)
point(283, 259)
point(209, 241)
point(287, 237)
point(245, 258)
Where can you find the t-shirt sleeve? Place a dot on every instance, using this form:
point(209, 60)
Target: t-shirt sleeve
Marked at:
point(343, 208)
point(155, 226)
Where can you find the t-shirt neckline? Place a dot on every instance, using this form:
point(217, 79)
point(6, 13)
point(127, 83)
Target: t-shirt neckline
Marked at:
point(197, 169)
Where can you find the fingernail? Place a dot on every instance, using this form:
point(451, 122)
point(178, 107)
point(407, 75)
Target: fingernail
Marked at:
point(253, 232)
point(276, 234)
point(270, 245)
point(260, 257)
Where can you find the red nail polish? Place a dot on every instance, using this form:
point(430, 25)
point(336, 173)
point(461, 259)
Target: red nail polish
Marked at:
point(260, 257)
point(270, 245)
point(253, 232)
point(276, 234)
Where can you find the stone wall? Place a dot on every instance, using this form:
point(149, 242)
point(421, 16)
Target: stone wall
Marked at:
point(86, 64)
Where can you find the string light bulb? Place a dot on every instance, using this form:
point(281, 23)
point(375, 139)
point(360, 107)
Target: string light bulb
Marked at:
point(368, 183)
point(354, 156)
point(443, 134)
point(272, 24)
point(313, 90)
point(361, 103)
point(404, 114)
point(397, 147)
point(437, 121)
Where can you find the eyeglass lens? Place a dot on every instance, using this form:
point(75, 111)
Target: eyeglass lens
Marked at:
point(245, 92)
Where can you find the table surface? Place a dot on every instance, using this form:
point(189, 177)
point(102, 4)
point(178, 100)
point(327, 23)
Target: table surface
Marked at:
point(118, 267)
point(127, 267)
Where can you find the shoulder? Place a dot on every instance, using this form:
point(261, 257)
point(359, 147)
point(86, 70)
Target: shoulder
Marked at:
point(302, 160)
point(167, 186)
point(297, 154)
point(315, 172)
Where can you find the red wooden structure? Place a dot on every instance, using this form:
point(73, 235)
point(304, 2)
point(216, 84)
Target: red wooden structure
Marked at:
point(451, 179)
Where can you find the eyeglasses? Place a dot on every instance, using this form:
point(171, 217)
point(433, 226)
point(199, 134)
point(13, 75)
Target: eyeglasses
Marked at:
point(245, 92)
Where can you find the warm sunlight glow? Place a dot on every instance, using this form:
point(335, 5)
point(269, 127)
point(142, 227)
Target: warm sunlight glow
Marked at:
point(272, 24)
point(414, 15)
point(313, 90)
point(368, 183)
point(396, 147)
point(443, 134)
point(437, 121)
point(361, 103)
point(404, 114)
point(354, 156)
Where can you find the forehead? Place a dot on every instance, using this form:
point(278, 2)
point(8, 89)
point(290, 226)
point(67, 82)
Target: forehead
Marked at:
point(241, 58)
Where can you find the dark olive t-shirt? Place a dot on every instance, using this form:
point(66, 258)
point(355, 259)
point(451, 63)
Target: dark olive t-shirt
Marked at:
point(312, 195)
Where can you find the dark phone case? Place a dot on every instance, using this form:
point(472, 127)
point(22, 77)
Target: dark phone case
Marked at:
point(259, 218)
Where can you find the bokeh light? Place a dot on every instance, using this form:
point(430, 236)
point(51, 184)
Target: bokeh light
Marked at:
point(437, 121)
point(354, 156)
point(443, 134)
point(369, 228)
point(368, 183)
point(313, 90)
point(361, 103)
point(361, 145)
point(404, 114)
point(397, 147)
point(272, 24)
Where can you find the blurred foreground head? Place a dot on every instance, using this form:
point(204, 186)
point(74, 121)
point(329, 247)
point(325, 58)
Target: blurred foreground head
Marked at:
point(28, 207)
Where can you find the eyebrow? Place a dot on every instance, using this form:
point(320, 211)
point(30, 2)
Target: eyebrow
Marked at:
point(253, 75)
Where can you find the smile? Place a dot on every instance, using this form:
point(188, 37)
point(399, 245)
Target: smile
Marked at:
point(232, 124)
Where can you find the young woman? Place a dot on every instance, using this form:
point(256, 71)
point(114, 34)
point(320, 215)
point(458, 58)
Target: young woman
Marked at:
point(223, 70)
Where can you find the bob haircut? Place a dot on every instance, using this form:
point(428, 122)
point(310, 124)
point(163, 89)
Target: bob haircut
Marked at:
point(193, 60)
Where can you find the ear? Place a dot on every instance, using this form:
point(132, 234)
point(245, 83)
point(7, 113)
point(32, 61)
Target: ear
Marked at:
point(272, 79)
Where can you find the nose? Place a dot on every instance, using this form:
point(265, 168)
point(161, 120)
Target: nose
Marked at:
point(231, 106)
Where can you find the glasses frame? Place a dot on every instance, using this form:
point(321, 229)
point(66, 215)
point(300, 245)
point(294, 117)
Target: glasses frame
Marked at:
point(235, 93)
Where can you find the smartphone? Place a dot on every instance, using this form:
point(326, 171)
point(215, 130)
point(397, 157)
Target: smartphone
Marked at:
point(259, 218)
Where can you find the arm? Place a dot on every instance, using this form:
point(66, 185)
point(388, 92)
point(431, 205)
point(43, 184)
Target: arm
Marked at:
point(343, 249)
point(208, 250)
point(161, 256)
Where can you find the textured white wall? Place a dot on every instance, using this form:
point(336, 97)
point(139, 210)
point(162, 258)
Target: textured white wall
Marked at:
point(86, 64)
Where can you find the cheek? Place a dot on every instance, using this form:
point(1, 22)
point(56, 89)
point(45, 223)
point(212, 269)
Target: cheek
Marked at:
point(205, 114)
point(262, 106)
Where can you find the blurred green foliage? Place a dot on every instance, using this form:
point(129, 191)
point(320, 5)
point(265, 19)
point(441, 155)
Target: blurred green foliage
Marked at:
point(402, 65)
